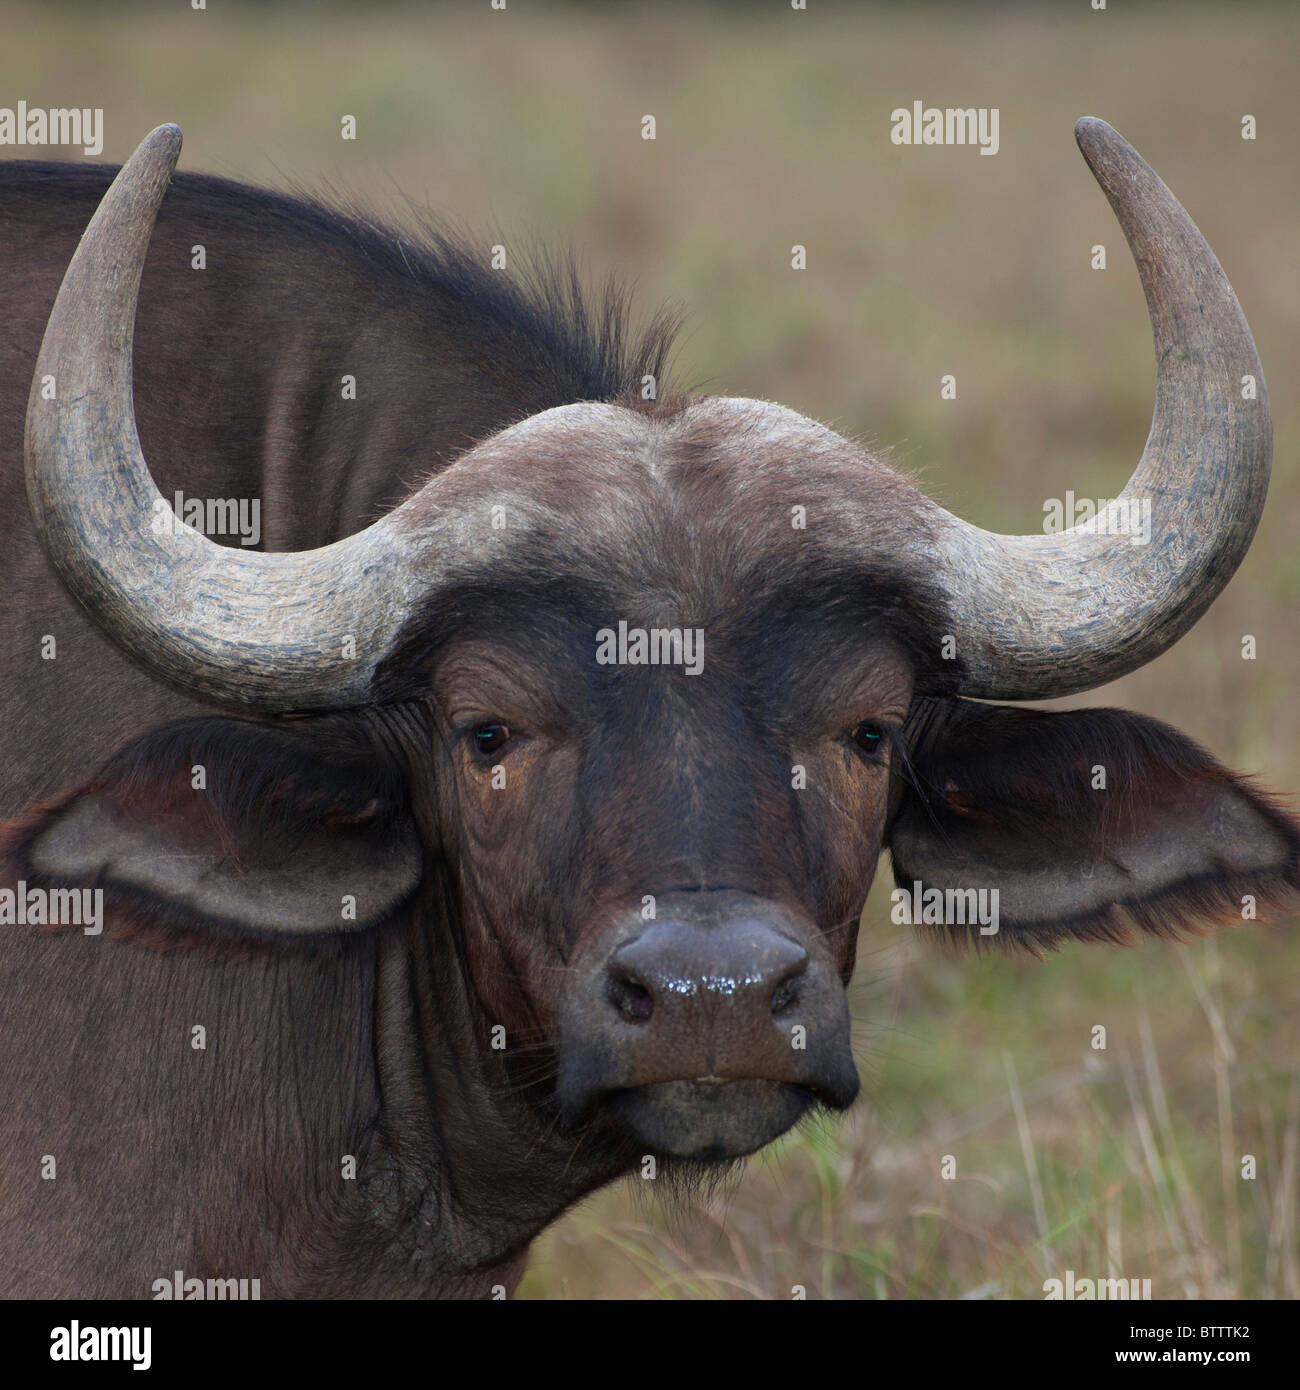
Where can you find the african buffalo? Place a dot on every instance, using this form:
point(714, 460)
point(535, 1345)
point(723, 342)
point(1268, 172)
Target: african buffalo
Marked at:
point(571, 717)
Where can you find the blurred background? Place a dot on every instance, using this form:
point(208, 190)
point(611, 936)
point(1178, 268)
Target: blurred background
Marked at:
point(773, 129)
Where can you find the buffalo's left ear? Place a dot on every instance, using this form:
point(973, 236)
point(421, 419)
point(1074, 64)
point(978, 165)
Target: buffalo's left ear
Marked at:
point(1087, 823)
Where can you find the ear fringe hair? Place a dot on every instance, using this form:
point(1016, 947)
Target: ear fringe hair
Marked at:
point(1192, 909)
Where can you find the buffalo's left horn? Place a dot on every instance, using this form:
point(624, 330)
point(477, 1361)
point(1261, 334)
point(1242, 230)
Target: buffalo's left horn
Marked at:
point(1045, 615)
point(302, 630)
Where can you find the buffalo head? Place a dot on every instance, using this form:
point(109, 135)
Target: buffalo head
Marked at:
point(636, 693)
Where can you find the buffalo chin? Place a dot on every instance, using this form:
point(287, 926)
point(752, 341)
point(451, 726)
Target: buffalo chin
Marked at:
point(705, 1120)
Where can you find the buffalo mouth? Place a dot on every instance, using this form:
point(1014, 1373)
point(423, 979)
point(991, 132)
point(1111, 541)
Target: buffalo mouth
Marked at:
point(705, 1032)
point(710, 1118)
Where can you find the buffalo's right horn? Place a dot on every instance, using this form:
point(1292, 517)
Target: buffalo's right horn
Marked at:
point(297, 631)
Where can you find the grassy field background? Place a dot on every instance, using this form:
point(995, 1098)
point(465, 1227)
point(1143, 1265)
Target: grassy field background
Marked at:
point(772, 129)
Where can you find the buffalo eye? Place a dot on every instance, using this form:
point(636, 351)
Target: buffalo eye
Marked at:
point(490, 738)
point(870, 738)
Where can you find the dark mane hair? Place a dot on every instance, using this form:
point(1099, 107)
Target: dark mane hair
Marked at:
point(585, 344)
point(572, 343)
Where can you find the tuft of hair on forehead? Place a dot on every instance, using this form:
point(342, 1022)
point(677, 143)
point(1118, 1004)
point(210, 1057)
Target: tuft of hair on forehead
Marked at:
point(572, 342)
point(577, 343)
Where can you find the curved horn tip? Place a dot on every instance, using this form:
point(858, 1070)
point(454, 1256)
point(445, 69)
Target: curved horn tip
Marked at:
point(1096, 137)
point(161, 146)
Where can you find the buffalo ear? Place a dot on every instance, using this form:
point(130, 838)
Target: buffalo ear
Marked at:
point(1087, 823)
point(296, 830)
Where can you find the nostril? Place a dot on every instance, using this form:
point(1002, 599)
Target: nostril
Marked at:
point(632, 1000)
point(788, 979)
point(703, 975)
point(785, 996)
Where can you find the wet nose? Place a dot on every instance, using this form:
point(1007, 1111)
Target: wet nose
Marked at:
point(710, 1028)
point(742, 968)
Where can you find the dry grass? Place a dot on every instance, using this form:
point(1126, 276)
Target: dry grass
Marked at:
point(772, 130)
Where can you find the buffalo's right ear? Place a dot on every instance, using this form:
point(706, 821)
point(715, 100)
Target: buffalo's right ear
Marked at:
point(298, 829)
